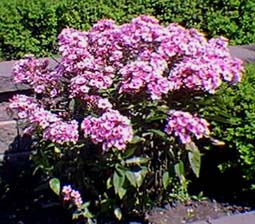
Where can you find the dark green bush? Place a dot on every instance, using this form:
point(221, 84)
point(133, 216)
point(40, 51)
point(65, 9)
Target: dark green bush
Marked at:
point(232, 115)
point(27, 27)
point(32, 26)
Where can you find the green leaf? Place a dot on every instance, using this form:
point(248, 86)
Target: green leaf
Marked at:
point(179, 169)
point(195, 161)
point(136, 139)
point(137, 160)
point(118, 181)
point(165, 179)
point(55, 185)
point(155, 117)
point(159, 133)
point(140, 175)
point(87, 214)
point(191, 147)
point(50, 145)
point(122, 191)
point(217, 142)
point(118, 213)
point(129, 152)
point(131, 177)
point(136, 177)
point(57, 150)
point(109, 183)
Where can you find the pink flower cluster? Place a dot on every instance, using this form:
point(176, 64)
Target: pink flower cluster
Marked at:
point(53, 127)
point(98, 103)
point(185, 125)
point(207, 68)
point(71, 195)
point(137, 57)
point(111, 129)
point(61, 132)
point(36, 73)
point(145, 56)
point(82, 62)
point(23, 105)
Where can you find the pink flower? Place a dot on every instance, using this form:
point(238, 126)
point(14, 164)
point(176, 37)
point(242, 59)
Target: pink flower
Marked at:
point(145, 56)
point(62, 132)
point(71, 195)
point(24, 105)
point(111, 129)
point(36, 73)
point(186, 126)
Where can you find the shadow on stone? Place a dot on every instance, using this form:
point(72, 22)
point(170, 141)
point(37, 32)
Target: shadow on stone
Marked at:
point(24, 195)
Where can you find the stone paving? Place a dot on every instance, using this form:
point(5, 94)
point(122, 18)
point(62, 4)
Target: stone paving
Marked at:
point(244, 218)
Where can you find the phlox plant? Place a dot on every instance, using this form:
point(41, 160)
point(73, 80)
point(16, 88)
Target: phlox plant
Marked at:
point(115, 118)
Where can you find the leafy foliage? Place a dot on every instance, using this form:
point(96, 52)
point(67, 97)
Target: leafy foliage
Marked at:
point(232, 115)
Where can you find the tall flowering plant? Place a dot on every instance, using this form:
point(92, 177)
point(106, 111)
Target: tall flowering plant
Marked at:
point(121, 104)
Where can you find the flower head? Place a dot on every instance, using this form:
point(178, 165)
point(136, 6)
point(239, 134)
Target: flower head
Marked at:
point(185, 126)
point(111, 129)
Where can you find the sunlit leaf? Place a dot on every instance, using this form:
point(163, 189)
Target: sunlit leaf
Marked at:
point(136, 139)
point(195, 161)
point(131, 177)
point(118, 181)
point(191, 146)
point(57, 150)
point(118, 213)
point(122, 191)
point(108, 183)
point(165, 179)
point(71, 105)
point(179, 169)
point(55, 185)
point(217, 142)
point(137, 160)
point(159, 133)
point(140, 176)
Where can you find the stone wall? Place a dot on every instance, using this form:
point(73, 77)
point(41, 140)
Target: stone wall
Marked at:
point(11, 128)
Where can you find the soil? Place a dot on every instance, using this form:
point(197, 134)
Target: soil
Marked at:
point(193, 211)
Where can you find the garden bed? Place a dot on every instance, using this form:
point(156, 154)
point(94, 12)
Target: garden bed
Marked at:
point(109, 142)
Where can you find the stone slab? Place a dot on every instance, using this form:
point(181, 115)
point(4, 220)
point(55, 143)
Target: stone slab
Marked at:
point(243, 218)
point(245, 53)
point(6, 81)
point(6, 66)
point(7, 85)
point(8, 132)
point(4, 114)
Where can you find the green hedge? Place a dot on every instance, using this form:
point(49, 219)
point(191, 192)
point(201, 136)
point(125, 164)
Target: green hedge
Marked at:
point(31, 26)
point(232, 115)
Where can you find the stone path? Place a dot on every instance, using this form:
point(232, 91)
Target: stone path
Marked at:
point(245, 218)
point(246, 53)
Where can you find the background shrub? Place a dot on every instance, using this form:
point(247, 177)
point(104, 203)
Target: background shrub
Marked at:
point(231, 113)
point(32, 26)
point(27, 27)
